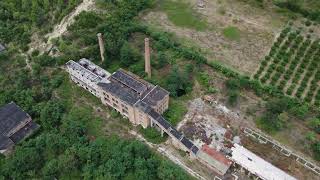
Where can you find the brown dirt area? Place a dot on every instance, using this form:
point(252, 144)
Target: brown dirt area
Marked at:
point(258, 28)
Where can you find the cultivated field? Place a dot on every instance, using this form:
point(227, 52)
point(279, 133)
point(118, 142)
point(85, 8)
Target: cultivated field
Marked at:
point(292, 64)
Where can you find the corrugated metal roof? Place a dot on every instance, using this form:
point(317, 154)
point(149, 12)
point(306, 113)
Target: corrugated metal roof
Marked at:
point(129, 81)
point(214, 159)
point(117, 90)
point(216, 155)
point(11, 116)
point(257, 165)
point(24, 132)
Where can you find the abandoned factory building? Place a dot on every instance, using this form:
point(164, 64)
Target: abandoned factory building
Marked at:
point(15, 125)
point(134, 98)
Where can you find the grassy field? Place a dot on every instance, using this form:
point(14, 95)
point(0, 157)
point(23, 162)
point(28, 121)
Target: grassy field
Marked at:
point(181, 14)
point(232, 33)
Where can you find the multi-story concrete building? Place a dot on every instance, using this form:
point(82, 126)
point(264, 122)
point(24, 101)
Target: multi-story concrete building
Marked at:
point(87, 75)
point(134, 98)
point(125, 92)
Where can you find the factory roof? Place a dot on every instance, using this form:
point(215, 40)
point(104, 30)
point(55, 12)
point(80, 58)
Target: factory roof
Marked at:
point(215, 159)
point(129, 81)
point(24, 132)
point(132, 89)
point(14, 120)
point(257, 165)
point(5, 142)
point(94, 68)
point(218, 156)
point(171, 130)
point(86, 73)
point(118, 90)
point(11, 116)
point(155, 95)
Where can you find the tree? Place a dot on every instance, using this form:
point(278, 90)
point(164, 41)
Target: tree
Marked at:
point(300, 111)
point(170, 172)
point(315, 124)
point(178, 83)
point(316, 150)
point(51, 114)
point(128, 55)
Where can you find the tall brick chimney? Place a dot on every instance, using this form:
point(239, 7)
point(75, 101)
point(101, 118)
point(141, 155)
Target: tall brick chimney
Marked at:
point(147, 57)
point(101, 45)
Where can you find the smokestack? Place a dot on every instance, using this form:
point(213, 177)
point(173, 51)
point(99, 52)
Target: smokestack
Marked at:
point(101, 45)
point(147, 57)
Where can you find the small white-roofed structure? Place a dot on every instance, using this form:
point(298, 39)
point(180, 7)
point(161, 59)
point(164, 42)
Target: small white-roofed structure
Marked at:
point(257, 165)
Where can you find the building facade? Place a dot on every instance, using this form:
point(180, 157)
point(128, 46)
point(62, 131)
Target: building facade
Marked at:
point(120, 90)
point(134, 98)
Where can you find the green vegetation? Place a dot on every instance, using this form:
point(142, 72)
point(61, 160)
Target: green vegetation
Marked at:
point(181, 14)
point(72, 143)
point(308, 9)
point(275, 118)
point(292, 63)
point(232, 33)
point(18, 19)
point(176, 111)
point(205, 80)
point(152, 135)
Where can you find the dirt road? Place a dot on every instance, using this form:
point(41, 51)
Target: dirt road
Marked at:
point(60, 29)
point(165, 152)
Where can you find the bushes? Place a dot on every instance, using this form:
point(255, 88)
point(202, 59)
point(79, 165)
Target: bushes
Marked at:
point(297, 7)
point(128, 55)
point(178, 82)
point(152, 135)
point(233, 92)
point(18, 18)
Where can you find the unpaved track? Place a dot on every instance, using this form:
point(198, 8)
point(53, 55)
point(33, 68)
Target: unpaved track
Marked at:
point(61, 28)
point(165, 152)
point(58, 30)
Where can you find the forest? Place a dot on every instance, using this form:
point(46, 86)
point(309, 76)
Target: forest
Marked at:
point(67, 145)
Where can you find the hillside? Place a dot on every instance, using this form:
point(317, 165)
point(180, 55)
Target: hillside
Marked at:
point(228, 65)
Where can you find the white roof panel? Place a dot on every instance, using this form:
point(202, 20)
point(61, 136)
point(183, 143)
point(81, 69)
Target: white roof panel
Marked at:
point(257, 165)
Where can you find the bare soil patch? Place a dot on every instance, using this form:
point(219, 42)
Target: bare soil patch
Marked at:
point(257, 29)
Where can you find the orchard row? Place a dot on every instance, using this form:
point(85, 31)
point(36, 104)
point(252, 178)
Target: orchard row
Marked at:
point(292, 66)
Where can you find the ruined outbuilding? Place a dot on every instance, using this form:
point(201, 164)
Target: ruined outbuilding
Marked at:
point(214, 160)
point(15, 125)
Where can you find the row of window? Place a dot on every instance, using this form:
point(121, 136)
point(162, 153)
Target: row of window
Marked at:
point(115, 103)
point(84, 85)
